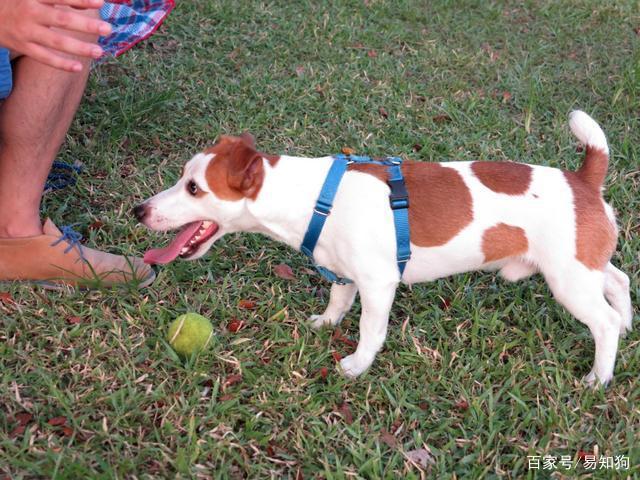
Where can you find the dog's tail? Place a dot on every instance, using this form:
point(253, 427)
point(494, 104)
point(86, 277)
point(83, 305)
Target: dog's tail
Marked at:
point(596, 159)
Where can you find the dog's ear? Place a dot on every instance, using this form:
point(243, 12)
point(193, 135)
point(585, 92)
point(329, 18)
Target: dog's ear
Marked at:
point(248, 139)
point(246, 171)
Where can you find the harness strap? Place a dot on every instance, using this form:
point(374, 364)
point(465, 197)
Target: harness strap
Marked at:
point(398, 201)
point(320, 214)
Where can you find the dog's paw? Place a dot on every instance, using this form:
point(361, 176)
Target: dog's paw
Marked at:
point(353, 367)
point(592, 380)
point(589, 379)
point(319, 321)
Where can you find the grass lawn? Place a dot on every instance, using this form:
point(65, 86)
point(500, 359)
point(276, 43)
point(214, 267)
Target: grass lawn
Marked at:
point(479, 372)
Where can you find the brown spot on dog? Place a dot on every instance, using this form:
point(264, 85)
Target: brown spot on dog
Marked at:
point(272, 159)
point(236, 171)
point(502, 241)
point(440, 204)
point(596, 236)
point(594, 167)
point(503, 177)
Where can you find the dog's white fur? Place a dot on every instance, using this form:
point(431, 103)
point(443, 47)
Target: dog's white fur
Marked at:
point(358, 241)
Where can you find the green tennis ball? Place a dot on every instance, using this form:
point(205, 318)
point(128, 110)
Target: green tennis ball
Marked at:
point(189, 333)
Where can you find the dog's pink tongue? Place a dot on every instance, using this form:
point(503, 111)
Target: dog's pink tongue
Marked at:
point(160, 256)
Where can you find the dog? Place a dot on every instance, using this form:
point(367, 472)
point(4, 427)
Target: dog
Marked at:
point(517, 218)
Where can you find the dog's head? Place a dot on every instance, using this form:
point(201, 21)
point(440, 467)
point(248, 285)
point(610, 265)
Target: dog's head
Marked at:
point(208, 200)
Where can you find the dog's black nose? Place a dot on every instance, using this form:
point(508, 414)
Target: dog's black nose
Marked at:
point(139, 211)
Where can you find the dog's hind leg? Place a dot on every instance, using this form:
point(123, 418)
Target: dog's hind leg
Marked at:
point(580, 290)
point(616, 290)
point(376, 304)
point(516, 269)
point(340, 301)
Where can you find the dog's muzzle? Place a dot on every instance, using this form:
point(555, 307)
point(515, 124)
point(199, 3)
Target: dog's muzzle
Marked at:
point(140, 212)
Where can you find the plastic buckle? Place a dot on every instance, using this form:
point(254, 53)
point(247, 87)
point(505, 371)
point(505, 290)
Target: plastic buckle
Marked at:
point(322, 208)
point(399, 197)
point(403, 258)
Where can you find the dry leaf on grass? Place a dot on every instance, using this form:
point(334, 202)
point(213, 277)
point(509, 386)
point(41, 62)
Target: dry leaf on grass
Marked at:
point(6, 298)
point(235, 325)
point(441, 118)
point(23, 418)
point(348, 151)
point(284, 271)
point(344, 410)
point(231, 380)
point(388, 439)
point(338, 336)
point(420, 456)
point(57, 421)
point(247, 304)
point(16, 432)
point(97, 225)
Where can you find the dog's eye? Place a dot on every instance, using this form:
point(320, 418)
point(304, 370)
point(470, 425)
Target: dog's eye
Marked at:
point(192, 187)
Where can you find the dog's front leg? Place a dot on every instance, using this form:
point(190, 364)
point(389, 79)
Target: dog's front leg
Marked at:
point(376, 304)
point(340, 300)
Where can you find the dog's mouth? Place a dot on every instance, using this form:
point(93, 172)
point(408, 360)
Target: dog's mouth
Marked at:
point(184, 245)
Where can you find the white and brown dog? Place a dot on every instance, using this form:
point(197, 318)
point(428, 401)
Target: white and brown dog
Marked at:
point(518, 218)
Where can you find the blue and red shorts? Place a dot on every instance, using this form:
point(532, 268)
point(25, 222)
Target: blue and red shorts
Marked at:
point(132, 20)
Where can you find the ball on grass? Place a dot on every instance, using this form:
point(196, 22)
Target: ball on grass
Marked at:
point(189, 333)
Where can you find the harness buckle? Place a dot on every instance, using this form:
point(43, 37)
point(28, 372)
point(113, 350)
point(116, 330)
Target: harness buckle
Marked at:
point(399, 197)
point(404, 258)
point(322, 208)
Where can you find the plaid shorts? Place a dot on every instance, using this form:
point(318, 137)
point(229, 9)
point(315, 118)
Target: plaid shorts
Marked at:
point(132, 22)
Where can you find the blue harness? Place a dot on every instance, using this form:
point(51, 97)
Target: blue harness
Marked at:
point(398, 201)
